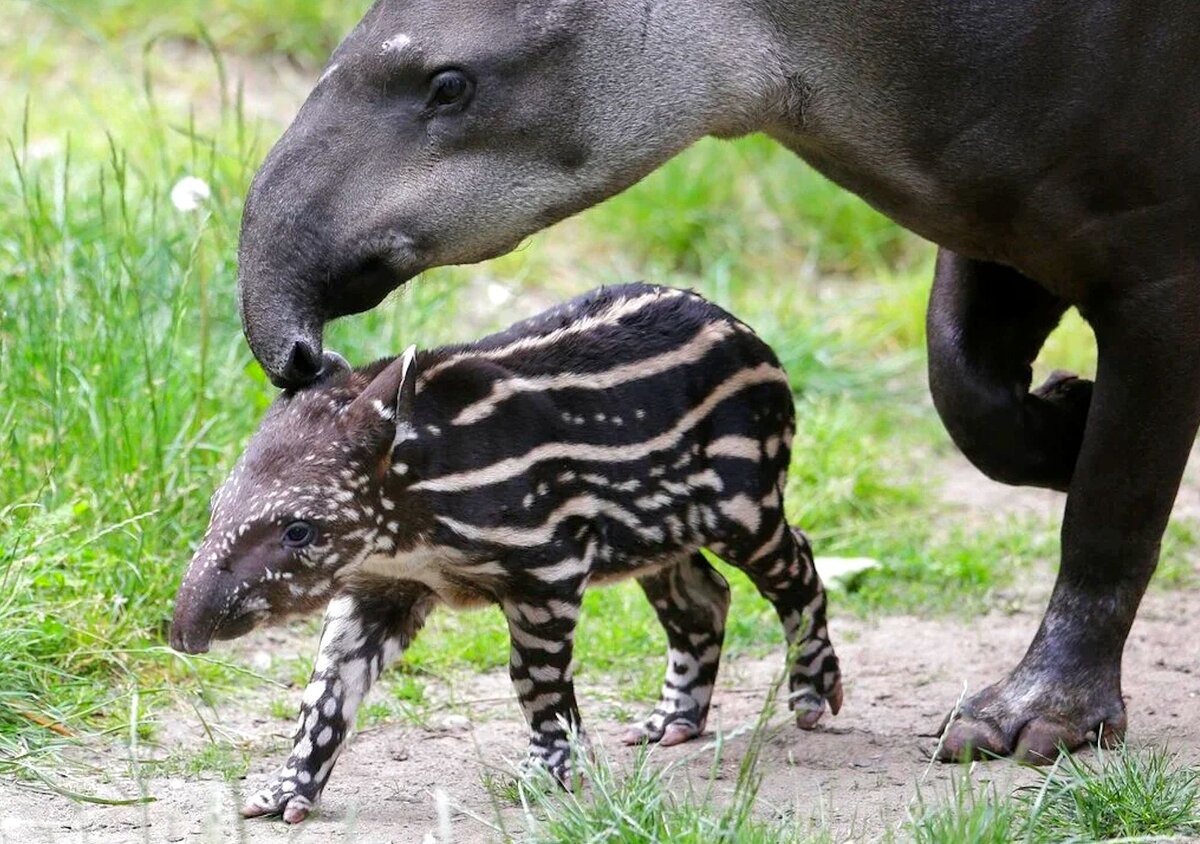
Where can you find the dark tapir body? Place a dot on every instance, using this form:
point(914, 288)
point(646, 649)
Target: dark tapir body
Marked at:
point(1050, 149)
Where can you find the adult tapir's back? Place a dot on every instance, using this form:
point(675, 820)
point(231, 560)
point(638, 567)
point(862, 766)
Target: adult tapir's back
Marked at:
point(626, 394)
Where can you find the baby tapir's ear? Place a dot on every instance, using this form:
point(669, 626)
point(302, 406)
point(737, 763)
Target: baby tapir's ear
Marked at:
point(406, 396)
point(391, 398)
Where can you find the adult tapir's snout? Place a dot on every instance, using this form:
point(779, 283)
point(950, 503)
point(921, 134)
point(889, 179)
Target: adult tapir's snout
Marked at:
point(309, 253)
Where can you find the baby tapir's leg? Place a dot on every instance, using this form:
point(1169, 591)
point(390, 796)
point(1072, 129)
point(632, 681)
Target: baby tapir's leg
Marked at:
point(691, 600)
point(361, 635)
point(782, 569)
point(542, 633)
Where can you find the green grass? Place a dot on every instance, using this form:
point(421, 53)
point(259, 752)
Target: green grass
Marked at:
point(971, 814)
point(651, 803)
point(1122, 794)
point(305, 30)
point(216, 759)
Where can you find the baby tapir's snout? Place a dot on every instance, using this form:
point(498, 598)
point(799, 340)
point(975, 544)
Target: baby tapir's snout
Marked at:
point(624, 434)
point(197, 613)
point(207, 607)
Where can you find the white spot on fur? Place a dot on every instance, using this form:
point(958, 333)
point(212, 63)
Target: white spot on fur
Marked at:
point(329, 71)
point(399, 41)
point(314, 692)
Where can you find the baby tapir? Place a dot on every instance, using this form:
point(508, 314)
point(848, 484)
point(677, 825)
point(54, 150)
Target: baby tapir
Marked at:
point(613, 436)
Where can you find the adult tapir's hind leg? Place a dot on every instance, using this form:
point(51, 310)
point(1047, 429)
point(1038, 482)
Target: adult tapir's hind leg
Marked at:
point(691, 600)
point(1140, 428)
point(985, 326)
point(361, 635)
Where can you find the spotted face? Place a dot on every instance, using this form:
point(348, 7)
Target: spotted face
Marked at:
point(305, 502)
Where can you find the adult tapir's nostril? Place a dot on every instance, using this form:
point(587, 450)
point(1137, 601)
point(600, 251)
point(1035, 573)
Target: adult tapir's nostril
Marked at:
point(301, 368)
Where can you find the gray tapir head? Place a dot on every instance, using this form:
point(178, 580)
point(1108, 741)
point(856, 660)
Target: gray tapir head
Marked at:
point(444, 131)
point(311, 498)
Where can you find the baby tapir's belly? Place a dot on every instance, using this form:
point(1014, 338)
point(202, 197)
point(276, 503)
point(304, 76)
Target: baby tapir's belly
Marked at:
point(447, 572)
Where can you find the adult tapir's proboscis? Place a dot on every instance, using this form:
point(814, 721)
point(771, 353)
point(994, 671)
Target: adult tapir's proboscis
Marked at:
point(1052, 151)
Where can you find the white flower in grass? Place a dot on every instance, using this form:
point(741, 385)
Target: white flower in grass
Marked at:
point(498, 294)
point(190, 193)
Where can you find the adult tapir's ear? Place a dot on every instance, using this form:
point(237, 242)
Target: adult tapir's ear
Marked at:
point(391, 398)
point(332, 364)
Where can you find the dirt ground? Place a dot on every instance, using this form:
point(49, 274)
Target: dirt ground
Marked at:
point(857, 773)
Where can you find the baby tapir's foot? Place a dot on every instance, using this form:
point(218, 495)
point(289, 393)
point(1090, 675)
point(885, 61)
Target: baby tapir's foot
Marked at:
point(690, 599)
point(665, 728)
point(809, 703)
point(816, 677)
point(552, 753)
point(285, 794)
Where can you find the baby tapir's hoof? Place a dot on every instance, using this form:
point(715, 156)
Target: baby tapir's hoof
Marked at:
point(667, 733)
point(809, 705)
point(285, 796)
point(553, 756)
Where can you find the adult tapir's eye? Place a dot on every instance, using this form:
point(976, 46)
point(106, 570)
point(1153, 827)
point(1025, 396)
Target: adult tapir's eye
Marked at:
point(449, 89)
point(299, 534)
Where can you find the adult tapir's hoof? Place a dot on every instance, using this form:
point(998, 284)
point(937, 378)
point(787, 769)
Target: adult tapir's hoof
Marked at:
point(1033, 722)
point(285, 796)
point(1069, 393)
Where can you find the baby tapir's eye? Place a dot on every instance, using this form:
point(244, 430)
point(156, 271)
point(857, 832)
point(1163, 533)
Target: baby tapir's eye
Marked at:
point(299, 534)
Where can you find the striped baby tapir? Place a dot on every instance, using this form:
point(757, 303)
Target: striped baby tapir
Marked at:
point(613, 436)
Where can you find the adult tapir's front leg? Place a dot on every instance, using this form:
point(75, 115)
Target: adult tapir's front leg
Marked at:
point(362, 634)
point(985, 326)
point(1143, 419)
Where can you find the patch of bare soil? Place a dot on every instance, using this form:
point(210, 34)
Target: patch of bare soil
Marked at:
point(856, 773)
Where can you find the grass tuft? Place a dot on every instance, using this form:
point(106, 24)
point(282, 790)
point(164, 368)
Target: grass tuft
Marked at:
point(649, 803)
point(1120, 795)
point(973, 814)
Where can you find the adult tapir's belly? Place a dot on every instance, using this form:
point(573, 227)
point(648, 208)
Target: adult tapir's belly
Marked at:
point(1061, 139)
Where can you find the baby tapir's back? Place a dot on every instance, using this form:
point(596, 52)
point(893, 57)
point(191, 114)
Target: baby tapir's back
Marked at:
point(639, 422)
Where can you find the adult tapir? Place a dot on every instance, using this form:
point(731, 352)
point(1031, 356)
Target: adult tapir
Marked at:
point(1052, 151)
